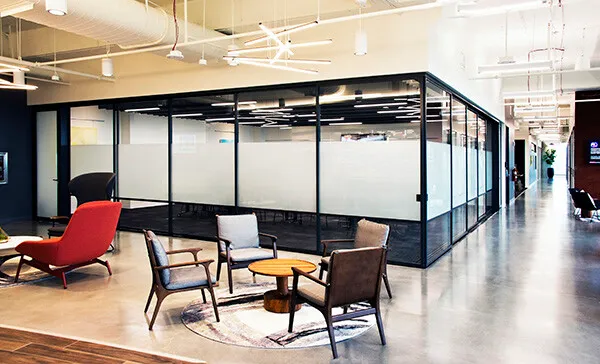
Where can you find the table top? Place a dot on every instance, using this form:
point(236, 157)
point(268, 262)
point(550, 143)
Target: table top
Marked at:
point(16, 240)
point(280, 267)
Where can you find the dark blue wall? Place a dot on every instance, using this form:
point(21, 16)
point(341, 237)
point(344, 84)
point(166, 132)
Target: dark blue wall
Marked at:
point(16, 138)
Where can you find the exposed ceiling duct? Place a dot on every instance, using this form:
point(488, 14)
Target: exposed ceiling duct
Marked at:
point(126, 23)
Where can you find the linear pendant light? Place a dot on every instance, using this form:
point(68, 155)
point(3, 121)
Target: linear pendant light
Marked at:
point(291, 46)
point(297, 61)
point(283, 68)
point(516, 67)
point(143, 109)
point(293, 29)
point(529, 94)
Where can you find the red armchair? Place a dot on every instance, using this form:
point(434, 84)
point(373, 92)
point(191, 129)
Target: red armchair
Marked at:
point(87, 237)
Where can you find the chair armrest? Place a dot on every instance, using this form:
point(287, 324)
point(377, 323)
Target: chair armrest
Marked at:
point(298, 272)
point(187, 250)
point(227, 242)
point(326, 243)
point(273, 241)
point(204, 262)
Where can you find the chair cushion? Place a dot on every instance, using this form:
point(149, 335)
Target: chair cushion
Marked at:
point(249, 254)
point(160, 255)
point(241, 230)
point(371, 234)
point(187, 277)
point(313, 292)
point(45, 251)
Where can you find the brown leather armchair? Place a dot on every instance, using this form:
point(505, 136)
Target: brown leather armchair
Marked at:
point(368, 234)
point(354, 277)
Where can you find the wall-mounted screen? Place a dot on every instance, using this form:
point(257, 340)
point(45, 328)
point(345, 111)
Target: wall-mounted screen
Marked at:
point(594, 146)
point(3, 168)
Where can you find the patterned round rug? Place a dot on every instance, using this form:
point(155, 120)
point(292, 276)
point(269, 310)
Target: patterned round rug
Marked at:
point(8, 269)
point(245, 322)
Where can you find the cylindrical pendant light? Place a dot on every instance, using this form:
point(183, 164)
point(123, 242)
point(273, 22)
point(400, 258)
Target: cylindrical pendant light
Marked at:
point(56, 7)
point(107, 67)
point(19, 77)
point(360, 44)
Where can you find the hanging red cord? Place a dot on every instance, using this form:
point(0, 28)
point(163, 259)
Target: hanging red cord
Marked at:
point(176, 25)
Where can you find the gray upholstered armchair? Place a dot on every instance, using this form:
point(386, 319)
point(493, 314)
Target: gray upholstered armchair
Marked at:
point(170, 278)
point(354, 277)
point(368, 234)
point(238, 242)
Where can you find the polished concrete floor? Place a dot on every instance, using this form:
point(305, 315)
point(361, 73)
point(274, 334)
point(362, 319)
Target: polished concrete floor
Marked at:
point(523, 288)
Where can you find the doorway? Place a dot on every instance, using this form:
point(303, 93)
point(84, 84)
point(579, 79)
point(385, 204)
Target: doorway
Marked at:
point(47, 178)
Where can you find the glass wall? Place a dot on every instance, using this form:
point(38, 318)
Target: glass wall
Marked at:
point(472, 169)
point(202, 163)
point(439, 166)
point(370, 161)
point(459, 169)
point(310, 161)
point(91, 141)
point(277, 163)
point(143, 166)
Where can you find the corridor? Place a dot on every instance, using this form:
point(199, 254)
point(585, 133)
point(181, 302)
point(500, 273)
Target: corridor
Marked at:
point(523, 288)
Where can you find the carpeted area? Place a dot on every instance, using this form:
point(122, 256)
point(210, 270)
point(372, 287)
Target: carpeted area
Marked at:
point(244, 321)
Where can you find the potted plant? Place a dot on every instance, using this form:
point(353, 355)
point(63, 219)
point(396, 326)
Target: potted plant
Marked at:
point(549, 157)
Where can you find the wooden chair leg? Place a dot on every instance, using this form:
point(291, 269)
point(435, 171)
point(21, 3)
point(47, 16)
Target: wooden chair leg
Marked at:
point(380, 326)
point(149, 299)
point(203, 295)
point(219, 269)
point(64, 279)
point(331, 334)
point(293, 300)
point(345, 309)
point(253, 277)
point(19, 268)
point(387, 285)
point(159, 299)
point(214, 302)
point(229, 278)
point(321, 273)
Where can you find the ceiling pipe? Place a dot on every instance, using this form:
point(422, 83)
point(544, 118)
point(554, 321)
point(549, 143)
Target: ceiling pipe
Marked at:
point(249, 34)
point(52, 69)
point(516, 75)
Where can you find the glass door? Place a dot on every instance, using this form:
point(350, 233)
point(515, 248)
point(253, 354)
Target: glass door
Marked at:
point(47, 177)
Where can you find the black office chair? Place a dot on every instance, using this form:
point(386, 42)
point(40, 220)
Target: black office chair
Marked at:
point(576, 209)
point(585, 202)
point(96, 186)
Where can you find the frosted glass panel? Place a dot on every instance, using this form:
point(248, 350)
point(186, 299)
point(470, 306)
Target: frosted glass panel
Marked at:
point(46, 164)
point(459, 172)
point(278, 175)
point(143, 171)
point(438, 181)
point(489, 170)
point(203, 173)
point(378, 179)
point(91, 158)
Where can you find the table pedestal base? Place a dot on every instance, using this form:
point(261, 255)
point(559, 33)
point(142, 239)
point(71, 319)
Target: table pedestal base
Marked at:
point(278, 303)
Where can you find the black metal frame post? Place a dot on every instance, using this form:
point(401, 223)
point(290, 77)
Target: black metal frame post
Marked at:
point(236, 154)
point(63, 124)
point(423, 196)
point(318, 167)
point(170, 164)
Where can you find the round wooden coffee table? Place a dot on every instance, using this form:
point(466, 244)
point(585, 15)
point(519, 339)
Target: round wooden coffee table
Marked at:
point(278, 300)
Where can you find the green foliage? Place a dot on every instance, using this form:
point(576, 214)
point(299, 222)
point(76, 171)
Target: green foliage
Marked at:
point(549, 156)
point(3, 236)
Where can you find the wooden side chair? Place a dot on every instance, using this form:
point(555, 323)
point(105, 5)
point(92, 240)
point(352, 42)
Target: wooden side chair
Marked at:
point(180, 277)
point(238, 242)
point(354, 276)
point(368, 234)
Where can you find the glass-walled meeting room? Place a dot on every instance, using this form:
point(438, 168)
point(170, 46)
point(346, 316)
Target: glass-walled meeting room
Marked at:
point(310, 160)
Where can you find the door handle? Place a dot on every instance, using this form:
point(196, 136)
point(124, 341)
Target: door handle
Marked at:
point(55, 179)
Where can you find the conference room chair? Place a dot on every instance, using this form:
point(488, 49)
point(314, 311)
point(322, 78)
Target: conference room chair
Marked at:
point(87, 237)
point(354, 277)
point(96, 186)
point(368, 234)
point(238, 243)
point(169, 278)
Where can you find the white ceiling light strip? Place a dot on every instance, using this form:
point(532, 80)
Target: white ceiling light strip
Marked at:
point(278, 67)
point(498, 68)
point(292, 61)
point(468, 10)
point(293, 29)
point(143, 109)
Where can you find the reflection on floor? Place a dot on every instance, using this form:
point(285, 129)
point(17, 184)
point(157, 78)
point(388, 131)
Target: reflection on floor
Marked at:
point(523, 288)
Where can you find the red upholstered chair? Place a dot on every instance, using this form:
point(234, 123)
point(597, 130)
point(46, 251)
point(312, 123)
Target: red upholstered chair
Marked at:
point(87, 237)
